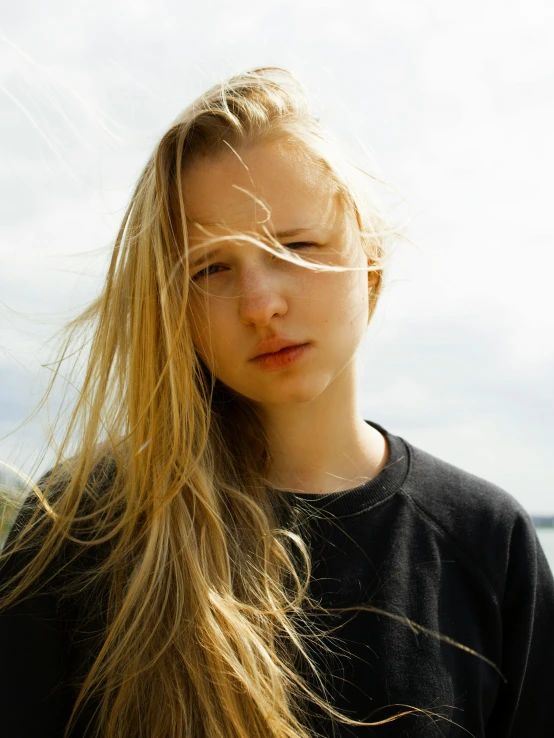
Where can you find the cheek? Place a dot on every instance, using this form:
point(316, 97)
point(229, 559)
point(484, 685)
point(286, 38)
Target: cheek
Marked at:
point(201, 327)
point(345, 297)
point(211, 333)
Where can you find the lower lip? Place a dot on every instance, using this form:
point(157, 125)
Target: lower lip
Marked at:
point(281, 359)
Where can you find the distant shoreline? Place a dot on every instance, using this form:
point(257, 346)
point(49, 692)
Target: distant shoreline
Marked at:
point(543, 521)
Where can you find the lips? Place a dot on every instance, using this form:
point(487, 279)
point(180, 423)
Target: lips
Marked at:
point(274, 344)
point(282, 359)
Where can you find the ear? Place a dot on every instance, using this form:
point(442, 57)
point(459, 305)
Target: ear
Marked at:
point(372, 277)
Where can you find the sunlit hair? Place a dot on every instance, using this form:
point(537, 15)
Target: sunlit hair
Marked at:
point(200, 571)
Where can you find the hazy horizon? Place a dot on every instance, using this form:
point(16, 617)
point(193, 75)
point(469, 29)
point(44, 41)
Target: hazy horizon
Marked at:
point(455, 109)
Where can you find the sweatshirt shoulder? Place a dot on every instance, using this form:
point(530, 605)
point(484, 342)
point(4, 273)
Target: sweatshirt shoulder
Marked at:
point(479, 517)
point(454, 493)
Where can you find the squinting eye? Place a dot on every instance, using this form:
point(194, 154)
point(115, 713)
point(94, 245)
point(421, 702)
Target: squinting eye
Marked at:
point(211, 269)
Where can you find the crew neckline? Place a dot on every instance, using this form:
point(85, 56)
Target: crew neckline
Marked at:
point(357, 499)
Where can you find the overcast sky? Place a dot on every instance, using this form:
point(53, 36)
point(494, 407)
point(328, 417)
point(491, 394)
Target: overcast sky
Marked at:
point(453, 101)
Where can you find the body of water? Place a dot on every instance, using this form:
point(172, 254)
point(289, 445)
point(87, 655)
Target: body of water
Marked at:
point(546, 537)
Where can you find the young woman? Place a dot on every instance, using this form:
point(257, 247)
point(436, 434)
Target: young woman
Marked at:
point(224, 547)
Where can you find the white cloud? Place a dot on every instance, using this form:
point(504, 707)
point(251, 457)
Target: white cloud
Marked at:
point(454, 101)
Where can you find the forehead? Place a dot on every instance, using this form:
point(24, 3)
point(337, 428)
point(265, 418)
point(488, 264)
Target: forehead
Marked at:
point(272, 185)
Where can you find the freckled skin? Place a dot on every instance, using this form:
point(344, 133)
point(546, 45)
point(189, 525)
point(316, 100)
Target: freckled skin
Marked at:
point(253, 295)
point(317, 439)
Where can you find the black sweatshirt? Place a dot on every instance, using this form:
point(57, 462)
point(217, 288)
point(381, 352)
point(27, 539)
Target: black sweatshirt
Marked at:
point(424, 540)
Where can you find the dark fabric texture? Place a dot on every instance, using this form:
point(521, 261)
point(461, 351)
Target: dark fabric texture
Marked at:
point(423, 541)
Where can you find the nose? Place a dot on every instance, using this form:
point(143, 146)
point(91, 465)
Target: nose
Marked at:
point(261, 296)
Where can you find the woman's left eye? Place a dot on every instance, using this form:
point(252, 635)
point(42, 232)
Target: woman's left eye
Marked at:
point(216, 268)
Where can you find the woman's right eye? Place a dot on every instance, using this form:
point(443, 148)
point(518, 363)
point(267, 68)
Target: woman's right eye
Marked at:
point(206, 272)
point(215, 268)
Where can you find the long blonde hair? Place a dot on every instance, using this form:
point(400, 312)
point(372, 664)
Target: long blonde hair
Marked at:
point(161, 468)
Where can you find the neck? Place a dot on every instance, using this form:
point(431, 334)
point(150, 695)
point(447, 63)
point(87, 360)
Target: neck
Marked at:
point(324, 445)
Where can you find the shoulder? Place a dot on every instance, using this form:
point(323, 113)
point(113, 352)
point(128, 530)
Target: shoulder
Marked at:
point(482, 520)
point(457, 495)
point(34, 521)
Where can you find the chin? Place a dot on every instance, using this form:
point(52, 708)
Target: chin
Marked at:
point(297, 392)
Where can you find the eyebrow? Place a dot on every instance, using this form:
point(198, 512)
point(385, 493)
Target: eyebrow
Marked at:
point(280, 234)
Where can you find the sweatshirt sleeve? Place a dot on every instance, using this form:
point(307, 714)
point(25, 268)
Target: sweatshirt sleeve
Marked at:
point(35, 697)
point(525, 703)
